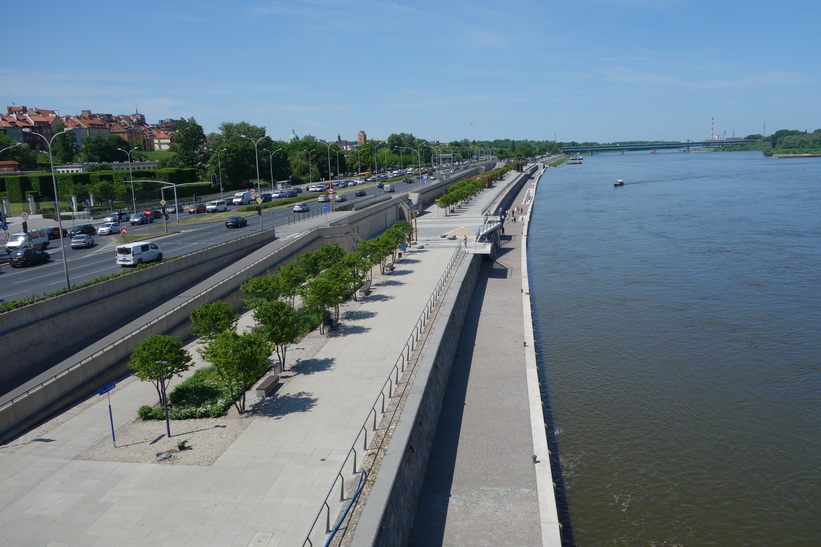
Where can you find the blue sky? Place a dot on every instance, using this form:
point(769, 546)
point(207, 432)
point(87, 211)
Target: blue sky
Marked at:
point(584, 70)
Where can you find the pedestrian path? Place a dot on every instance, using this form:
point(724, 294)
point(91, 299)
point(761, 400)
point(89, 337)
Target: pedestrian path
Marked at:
point(268, 484)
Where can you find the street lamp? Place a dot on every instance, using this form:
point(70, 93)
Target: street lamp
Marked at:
point(375, 162)
point(130, 176)
point(271, 164)
point(56, 202)
point(310, 171)
point(328, 144)
point(10, 147)
point(419, 157)
point(337, 162)
point(256, 153)
point(219, 168)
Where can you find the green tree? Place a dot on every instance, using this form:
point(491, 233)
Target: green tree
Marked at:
point(212, 318)
point(278, 323)
point(102, 149)
point(187, 146)
point(239, 360)
point(65, 146)
point(159, 358)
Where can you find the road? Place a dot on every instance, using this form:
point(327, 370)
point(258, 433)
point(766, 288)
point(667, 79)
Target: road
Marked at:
point(189, 235)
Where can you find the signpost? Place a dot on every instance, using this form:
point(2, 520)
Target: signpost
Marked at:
point(102, 391)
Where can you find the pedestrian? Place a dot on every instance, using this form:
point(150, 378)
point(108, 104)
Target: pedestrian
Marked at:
point(466, 242)
point(25, 227)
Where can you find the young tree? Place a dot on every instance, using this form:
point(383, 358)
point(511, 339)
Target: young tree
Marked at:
point(159, 358)
point(239, 360)
point(278, 324)
point(187, 146)
point(212, 318)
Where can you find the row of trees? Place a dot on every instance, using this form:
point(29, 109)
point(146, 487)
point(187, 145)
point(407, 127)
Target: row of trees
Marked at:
point(463, 190)
point(286, 304)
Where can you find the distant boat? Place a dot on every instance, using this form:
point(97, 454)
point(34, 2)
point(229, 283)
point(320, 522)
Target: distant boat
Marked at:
point(618, 182)
point(576, 160)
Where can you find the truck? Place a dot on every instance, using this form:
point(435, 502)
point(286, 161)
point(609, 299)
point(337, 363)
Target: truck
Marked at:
point(242, 198)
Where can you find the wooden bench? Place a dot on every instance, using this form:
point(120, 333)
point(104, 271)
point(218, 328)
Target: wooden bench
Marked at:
point(267, 385)
point(365, 288)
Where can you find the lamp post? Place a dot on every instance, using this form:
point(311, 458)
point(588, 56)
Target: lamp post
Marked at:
point(256, 153)
point(310, 171)
point(130, 176)
point(56, 202)
point(10, 147)
point(328, 144)
point(337, 163)
point(271, 164)
point(375, 163)
point(419, 157)
point(219, 168)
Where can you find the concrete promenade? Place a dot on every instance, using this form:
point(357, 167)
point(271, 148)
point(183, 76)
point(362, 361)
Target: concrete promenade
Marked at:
point(266, 487)
point(483, 485)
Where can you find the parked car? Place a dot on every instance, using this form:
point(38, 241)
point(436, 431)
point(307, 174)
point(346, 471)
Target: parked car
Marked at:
point(196, 209)
point(81, 241)
point(340, 198)
point(216, 206)
point(109, 228)
point(134, 254)
point(54, 232)
point(82, 229)
point(301, 208)
point(323, 198)
point(360, 193)
point(141, 218)
point(27, 257)
point(236, 222)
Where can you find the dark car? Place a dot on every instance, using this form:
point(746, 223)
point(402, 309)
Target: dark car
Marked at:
point(156, 214)
point(27, 257)
point(265, 197)
point(54, 232)
point(360, 193)
point(141, 218)
point(82, 229)
point(236, 222)
point(196, 209)
point(380, 184)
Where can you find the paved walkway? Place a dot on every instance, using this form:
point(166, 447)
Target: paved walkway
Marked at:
point(267, 486)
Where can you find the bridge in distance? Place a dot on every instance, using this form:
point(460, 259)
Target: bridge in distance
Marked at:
point(686, 145)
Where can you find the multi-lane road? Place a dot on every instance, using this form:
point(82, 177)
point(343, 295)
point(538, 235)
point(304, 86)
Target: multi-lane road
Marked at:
point(189, 235)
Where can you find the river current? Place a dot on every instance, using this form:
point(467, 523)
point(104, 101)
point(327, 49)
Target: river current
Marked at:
point(678, 320)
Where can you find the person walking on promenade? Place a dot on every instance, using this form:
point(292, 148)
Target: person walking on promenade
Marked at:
point(466, 242)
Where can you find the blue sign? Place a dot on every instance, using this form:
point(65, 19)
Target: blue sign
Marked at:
point(110, 201)
point(88, 202)
point(4, 226)
point(325, 207)
point(106, 388)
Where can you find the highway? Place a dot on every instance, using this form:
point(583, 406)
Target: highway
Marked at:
point(190, 234)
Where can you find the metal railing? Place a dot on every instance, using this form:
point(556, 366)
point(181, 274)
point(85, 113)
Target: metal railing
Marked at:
point(386, 392)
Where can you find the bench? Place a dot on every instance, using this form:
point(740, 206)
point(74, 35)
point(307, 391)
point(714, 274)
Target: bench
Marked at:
point(365, 288)
point(389, 267)
point(267, 385)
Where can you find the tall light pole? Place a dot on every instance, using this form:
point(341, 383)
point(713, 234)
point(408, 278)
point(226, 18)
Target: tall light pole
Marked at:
point(219, 168)
point(375, 163)
point(271, 164)
point(56, 201)
point(131, 177)
point(310, 171)
point(328, 144)
point(419, 157)
point(358, 161)
point(256, 153)
point(337, 163)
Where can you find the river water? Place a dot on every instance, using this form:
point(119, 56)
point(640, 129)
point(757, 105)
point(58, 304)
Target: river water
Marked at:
point(679, 333)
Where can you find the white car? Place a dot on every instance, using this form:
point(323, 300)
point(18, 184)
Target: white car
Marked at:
point(323, 198)
point(109, 228)
point(301, 208)
point(216, 207)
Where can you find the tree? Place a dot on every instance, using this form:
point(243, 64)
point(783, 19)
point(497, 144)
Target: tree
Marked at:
point(210, 319)
point(159, 358)
point(239, 360)
point(278, 323)
point(101, 149)
point(187, 146)
point(65, 146)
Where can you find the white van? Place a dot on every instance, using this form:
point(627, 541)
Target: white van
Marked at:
point(33, 239)
point(242, 198)
point(388, 188)
point(216, 207)
point(134, 254)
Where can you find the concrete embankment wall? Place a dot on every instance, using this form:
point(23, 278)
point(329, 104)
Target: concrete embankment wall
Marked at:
point(106, 359)
point(388, 515)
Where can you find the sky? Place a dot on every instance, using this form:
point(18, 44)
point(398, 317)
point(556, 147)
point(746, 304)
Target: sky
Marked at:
point(578, 70)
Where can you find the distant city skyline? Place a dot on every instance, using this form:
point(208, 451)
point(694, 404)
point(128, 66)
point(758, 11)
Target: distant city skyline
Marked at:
point(596, 70)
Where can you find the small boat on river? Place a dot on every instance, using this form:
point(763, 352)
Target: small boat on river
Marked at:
point(618, 182)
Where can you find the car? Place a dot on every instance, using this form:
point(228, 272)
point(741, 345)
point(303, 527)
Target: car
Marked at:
point(216, 206)
point(380, 184)
point(316, 188)
point(156, 214)
point(27, 240)
point(301, 208)
point(27, 257)
point(278, 194)
point(109, 228)
point(54, 232)
point(236, 222)
point(81, 241)
point(340, 198)
point(323, 198)
point(141, 218)
point(171, 209)
point(265, 197)
point(195, 209)
point(360, 193)
point(432, 176)
point(82, 229)
point(134, 254)
point(297, 189)
point(118, 217)
point(290, 193)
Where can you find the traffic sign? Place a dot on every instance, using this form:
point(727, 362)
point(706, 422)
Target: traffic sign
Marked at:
point(4, 226)
point(24, 216)
point(330, 190)
point(162, 202)
point(106, 388)
point(123, 230)
point(259, 200)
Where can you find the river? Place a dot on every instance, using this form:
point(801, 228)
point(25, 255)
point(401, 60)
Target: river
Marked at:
point(679, 334)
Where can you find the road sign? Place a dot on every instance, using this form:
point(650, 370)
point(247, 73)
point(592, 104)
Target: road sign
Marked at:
point(325, 207)
point(330, 190)
point(106, 388)
point(162, 202)
point(24, 216)
point(123, 230)
point(4, 226)
point(259, 200)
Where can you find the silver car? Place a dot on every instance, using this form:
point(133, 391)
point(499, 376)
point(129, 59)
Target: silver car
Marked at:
point(109, 228)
